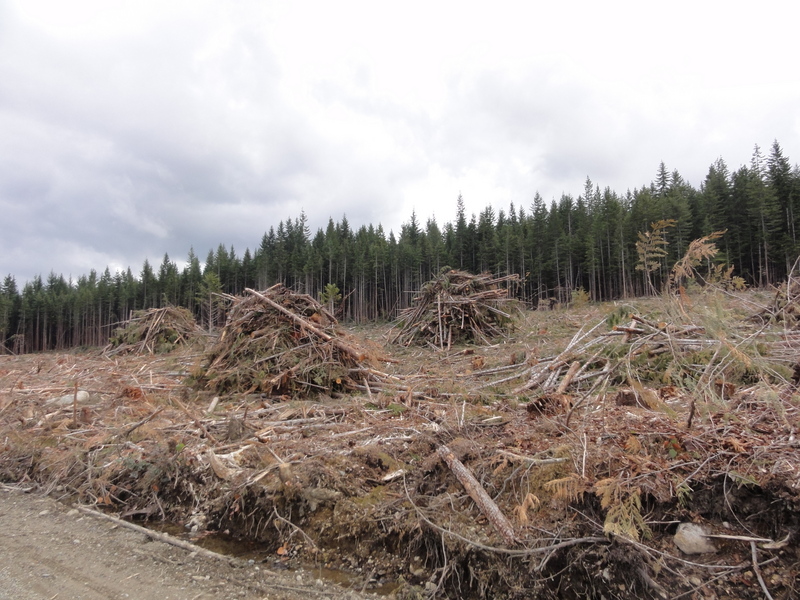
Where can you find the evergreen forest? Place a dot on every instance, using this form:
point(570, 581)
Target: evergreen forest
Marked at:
point(583, 243)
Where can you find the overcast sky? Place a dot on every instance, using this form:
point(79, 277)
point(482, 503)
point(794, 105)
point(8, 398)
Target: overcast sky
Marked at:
point(130, 129)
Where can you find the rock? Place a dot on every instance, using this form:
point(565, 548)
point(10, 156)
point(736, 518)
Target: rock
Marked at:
point(67, 400)
point(416, 572)
point(197, 522)
point(691, 539)
point(317, 496)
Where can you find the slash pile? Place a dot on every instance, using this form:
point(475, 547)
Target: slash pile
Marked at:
point(282, 343)
point(456, 306)
point(154, 331)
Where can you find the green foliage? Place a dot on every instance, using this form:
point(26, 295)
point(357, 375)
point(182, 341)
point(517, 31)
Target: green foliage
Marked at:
point(580, 298)
point(397, 409)
point(209, 299)
point(742, 479)
point(619, 316)
point(684, 493)
point(330, 295)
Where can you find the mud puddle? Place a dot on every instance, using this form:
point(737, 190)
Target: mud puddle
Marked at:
point(259, 553)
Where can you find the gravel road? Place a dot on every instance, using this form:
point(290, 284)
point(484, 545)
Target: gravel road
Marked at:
point(52, 551)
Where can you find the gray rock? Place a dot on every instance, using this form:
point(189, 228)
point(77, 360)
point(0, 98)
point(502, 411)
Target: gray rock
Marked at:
point(691, 539)
point(82, 398)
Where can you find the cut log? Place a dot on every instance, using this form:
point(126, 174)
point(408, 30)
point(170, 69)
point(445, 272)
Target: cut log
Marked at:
point(479, 495)
point(573, 369)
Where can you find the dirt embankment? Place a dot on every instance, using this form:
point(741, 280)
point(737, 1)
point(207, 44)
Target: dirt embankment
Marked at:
point(50, 550)
point(590, 436)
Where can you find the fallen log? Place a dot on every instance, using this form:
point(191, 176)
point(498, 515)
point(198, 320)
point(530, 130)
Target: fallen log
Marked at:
point(573, 369)
point(487, 506)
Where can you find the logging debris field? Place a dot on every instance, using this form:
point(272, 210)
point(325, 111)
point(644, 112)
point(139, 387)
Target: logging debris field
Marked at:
point(561, 459)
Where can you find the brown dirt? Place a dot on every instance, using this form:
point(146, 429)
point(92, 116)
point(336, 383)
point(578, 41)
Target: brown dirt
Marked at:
point(696, 421)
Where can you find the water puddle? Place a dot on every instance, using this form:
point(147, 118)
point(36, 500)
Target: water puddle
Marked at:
point(247, 550)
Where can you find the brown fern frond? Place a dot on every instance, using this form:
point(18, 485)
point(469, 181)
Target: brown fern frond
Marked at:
point(531, 502)
point(570, 488)
point(625, 518)
point(633, 445)
point(700, 250)
point(609, 490)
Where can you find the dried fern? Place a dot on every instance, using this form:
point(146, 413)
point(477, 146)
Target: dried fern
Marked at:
point(701, 249)
point(569, 489)
point(609, 490)
point(633, 445)
point(624, 516)
point(531, 502)
point(651, 249)
point(722, 275)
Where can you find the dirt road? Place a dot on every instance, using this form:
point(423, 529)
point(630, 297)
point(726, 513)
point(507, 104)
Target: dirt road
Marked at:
point(52, 551)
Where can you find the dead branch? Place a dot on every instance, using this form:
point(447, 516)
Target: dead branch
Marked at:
point(479, 495)
point(573, 369)
point(138, 424)
point(161, 537)
point(530, 460)
point(296, 528)
point(355, 353)
point(196, 421)
point(506, 551)
point(754, 554)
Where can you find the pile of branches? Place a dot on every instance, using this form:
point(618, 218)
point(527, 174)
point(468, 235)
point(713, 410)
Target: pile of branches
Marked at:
point(456, 306)
point(281, 343)
point(679, 359)
point(785, 307)
point(593, 360)
point(154, 330)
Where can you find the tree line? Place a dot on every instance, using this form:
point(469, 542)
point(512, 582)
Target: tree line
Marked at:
point(583, 243)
